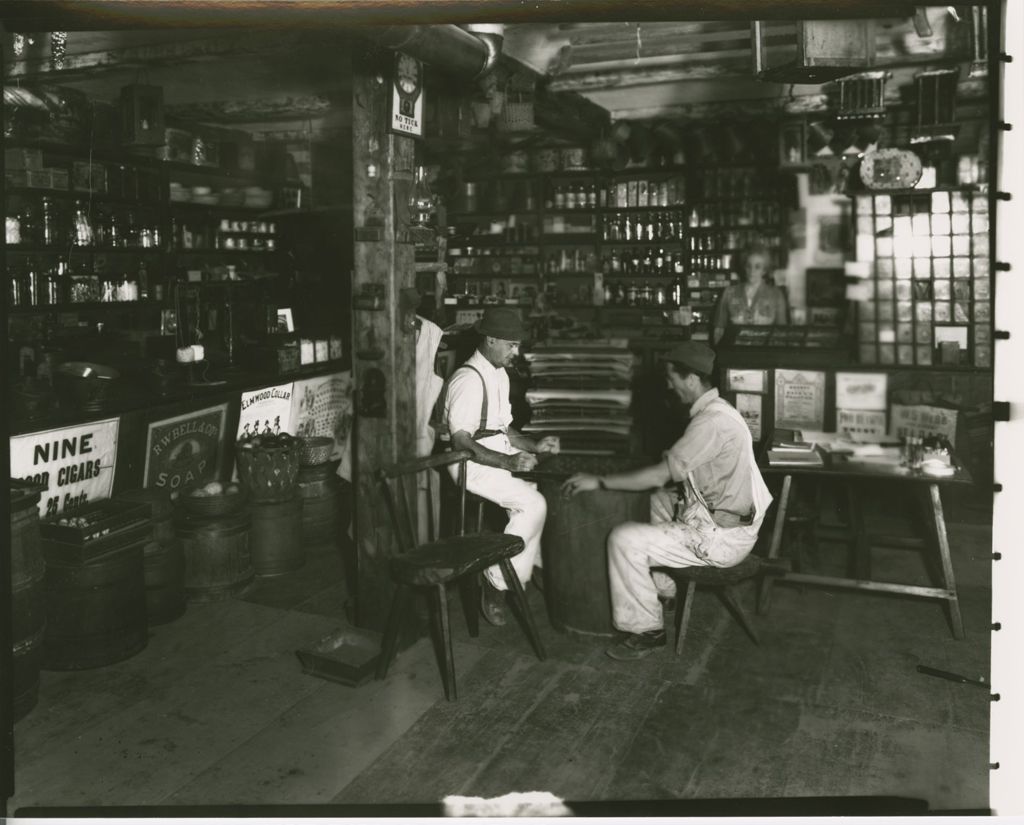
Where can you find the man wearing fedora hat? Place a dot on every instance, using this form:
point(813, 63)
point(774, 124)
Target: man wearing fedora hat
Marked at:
point(712, 518)
point(478, 413)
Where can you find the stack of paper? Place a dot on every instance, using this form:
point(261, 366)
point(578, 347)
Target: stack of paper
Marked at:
point(581, 392)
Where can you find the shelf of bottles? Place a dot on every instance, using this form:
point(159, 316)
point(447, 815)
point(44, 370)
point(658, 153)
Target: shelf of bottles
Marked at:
point(732, 209)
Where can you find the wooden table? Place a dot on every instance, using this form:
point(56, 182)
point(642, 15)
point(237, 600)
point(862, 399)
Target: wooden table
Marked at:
point(856, 476)
point(574, 543)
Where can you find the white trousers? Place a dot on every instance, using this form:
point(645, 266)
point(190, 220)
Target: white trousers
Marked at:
point(526, 510)
point(634, 548)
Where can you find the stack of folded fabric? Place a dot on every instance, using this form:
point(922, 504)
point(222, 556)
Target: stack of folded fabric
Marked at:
point(581, 392)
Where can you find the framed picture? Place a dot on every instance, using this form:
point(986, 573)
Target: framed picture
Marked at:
point(285, 321)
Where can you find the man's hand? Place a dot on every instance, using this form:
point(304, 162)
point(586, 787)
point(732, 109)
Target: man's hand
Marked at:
point(521, 462)
point(580, 483)
point(548, 444)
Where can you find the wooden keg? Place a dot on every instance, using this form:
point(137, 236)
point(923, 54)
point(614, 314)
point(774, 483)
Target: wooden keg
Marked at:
point(28, 603)
point(218, 562)
point(95, 610)
point(165, 581)
point(276, 541)
point(322, 503)
point(164, 560)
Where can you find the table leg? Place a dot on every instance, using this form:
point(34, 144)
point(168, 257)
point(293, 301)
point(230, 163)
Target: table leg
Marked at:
point(765, 595)
point(860, 564)
point(947, 563)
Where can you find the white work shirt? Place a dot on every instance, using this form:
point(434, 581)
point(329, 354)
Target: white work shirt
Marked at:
point(464, 400)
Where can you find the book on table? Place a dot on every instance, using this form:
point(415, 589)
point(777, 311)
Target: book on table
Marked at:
point(794, 448)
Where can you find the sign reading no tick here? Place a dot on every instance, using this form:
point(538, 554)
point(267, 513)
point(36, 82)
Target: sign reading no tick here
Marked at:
point(74, 464)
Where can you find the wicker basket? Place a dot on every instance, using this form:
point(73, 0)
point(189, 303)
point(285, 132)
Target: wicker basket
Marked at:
point(517, 115)
point(315, 450)
point(269, 473)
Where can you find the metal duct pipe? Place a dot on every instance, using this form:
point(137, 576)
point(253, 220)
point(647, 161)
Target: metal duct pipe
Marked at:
point(445, 46)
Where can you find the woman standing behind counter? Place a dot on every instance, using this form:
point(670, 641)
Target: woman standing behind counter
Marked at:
point(753, 300)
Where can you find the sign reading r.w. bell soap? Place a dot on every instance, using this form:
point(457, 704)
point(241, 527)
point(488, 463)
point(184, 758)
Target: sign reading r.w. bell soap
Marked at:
point(186, 450)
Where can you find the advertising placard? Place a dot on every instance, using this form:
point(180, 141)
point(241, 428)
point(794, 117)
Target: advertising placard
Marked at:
point(76, 464)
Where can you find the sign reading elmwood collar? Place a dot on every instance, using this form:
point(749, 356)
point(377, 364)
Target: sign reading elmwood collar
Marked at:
point(183, 451)
point(407, 96)
point(74, 464)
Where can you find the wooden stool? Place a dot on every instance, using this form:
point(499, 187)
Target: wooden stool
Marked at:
point(720, 578)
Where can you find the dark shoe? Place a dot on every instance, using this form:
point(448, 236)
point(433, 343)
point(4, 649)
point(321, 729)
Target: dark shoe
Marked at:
point(492, 605)
point(638, 645)
point(538, 579)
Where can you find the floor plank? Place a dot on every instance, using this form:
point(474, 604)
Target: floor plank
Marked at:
point(150, 749)
point(315, 748)
point(70, 700)
point(444, 751)
point(566, 743)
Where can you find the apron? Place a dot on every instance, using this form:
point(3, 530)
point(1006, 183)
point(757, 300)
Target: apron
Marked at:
point(693, 511)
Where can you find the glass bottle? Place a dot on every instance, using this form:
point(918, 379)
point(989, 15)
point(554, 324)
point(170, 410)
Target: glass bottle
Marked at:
point(16, 288)
point(631, 294)
point(648, 262)
point(83, 227)
point(50, 235)
point(34, 286)
point(659, 261)
point(646, 293)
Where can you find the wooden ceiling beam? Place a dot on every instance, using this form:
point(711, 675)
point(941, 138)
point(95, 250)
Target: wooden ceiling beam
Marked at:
point(695, 33)
point(46, 15)
point(252, 110)
point(667, 46)
point(35, 66)
point(617, 79)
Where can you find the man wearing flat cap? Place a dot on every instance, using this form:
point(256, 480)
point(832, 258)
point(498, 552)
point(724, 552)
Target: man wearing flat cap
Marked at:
point(712, 518)
point(478, 413)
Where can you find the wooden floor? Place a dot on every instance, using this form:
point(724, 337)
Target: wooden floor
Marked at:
point(216, 710)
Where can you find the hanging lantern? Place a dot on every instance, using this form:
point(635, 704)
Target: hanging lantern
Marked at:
point(142, 115)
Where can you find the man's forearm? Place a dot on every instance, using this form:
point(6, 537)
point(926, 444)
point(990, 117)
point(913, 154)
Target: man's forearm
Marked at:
point(645, 478)
point(481, 454)
point(520, 441)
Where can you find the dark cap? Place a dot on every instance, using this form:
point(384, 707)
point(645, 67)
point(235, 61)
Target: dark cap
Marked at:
point(692, 355)
point(501, 322)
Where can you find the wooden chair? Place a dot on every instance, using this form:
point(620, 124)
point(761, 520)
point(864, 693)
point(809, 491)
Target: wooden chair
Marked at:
point(721, 579)
point(440, 561)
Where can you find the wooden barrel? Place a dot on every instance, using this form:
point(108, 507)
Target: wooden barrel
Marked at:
point(28, 603)
point(218, 563)
point(164, 560)
point(276, 541)
point(322, 506)
point(95, 611)
point(574, 546)
point(165, 581)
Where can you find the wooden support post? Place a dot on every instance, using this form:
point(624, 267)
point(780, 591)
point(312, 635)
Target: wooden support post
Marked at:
point(384, 362)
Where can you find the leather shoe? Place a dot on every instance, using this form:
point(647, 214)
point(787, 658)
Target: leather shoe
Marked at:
point(491, 606)
point(638, 645)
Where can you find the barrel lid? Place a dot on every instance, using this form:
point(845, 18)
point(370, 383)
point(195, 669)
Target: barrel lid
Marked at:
point(24, 494)
point(159, 501)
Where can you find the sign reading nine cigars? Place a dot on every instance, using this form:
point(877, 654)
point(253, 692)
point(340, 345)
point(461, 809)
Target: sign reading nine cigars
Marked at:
point(74, 464)
point(185, 450)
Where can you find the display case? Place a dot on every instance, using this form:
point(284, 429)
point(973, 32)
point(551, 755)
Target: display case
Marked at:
point(926, 299)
